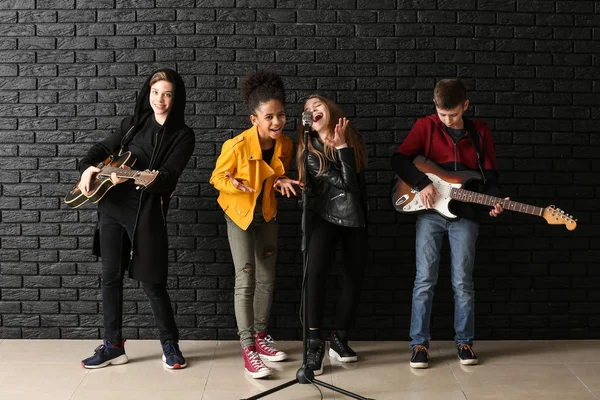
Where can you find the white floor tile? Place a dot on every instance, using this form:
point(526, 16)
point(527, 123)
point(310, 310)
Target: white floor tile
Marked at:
point(515, 370)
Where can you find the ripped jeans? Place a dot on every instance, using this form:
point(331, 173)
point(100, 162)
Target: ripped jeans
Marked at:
point(254, 253)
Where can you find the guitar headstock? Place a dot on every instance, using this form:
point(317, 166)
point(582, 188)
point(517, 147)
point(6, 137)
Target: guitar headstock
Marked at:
point(556, 216)
point(144, 178)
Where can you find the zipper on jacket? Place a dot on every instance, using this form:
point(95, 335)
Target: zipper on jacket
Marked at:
point(137, 216)
point(339, 195)
point(162, 212)
point(455, 160)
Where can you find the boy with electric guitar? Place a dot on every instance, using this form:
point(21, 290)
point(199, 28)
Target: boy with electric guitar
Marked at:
point(454, 143)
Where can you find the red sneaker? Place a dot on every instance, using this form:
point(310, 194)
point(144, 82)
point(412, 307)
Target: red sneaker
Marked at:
point(265, 349)
point(254, 365)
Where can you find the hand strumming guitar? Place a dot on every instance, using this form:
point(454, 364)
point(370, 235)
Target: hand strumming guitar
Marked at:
point(428, 195)
point(86, 178)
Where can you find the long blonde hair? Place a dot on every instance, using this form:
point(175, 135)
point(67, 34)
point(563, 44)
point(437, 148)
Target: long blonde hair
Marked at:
point(352, 138)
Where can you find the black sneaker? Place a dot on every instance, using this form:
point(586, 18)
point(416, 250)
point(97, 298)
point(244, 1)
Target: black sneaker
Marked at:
point(467, 355)
point(172, 356)
point(314, 358)
point(340, 350)
point(106, 354)
point(420, 357)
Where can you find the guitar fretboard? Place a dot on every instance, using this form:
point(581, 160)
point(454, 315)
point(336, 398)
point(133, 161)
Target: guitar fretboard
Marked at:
point(468, 196)
point(121, 172)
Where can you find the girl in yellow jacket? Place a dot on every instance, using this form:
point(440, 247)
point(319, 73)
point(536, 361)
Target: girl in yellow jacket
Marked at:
point(250, 168)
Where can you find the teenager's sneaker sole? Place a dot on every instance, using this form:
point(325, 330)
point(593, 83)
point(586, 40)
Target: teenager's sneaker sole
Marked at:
point(259, 374)
point(319, 371)
point(468, 362)
point(417, 365)
point(122, 359)
point(334, 354)
point(279, 357)
point(176, 366)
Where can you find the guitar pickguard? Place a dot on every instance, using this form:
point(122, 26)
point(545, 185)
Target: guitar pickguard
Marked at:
point(442, 201)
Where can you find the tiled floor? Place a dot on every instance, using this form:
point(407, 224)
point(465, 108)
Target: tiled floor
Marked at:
point(49, 369)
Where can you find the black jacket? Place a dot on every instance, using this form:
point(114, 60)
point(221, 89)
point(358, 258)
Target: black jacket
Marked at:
point(341, 193)
point(174, 147)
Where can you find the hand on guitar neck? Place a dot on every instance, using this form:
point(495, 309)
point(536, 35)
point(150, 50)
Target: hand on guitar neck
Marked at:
point(497, 210)
point(86, 178)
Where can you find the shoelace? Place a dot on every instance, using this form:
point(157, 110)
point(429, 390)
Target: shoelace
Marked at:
point(255, 360)
point(269, 339)
point(314, 354)
point(417, 350)
point(100, 348)
point(103, 349)
point(268, 342)
point(467, 347)
point(339, 342)
point(341, 345)
point(170, 348)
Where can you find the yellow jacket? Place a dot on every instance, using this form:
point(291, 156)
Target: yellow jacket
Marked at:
point(242, 157)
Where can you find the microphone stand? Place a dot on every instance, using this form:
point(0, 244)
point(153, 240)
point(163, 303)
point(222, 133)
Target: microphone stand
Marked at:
point(305, 375)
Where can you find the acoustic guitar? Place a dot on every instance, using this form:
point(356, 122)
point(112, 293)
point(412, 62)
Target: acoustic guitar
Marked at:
point(101, 182)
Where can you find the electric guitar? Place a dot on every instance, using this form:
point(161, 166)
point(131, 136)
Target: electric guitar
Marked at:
point(407, 200)
point(101, 182)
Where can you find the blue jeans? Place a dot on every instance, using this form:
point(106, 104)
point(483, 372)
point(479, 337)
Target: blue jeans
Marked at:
point(462, 235)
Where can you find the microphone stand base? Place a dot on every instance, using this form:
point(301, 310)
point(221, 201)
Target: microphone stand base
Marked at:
point(305, 375)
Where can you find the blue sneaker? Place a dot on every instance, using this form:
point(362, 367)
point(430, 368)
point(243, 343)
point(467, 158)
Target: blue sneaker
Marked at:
point(106, 354)
point(172, 356)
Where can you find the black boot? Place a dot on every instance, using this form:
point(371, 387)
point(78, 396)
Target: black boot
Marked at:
point(314, 359)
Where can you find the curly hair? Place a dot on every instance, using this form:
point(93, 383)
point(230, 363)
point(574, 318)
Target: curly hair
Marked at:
point(260, 87)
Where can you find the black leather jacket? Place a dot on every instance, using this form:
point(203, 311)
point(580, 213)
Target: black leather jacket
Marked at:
point(340, 192)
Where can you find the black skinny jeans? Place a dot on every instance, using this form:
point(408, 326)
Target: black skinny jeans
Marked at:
point(113, 236)
point(321, 255)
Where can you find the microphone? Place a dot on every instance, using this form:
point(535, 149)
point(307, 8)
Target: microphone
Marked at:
point(307, 119)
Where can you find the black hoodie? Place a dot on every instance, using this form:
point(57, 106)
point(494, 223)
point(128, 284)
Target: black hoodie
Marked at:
point(174, 146)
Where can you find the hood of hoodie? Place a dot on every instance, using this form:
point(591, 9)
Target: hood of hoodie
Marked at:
point(175, 116)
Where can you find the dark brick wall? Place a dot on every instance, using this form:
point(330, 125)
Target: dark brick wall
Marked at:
point(68, 73)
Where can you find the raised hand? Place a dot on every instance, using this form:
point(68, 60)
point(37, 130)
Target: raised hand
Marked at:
point(238, 183)
point(339, 133)
point(286, 186)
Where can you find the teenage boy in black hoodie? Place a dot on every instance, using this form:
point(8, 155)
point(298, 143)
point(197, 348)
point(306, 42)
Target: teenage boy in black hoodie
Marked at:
point(132, 231)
